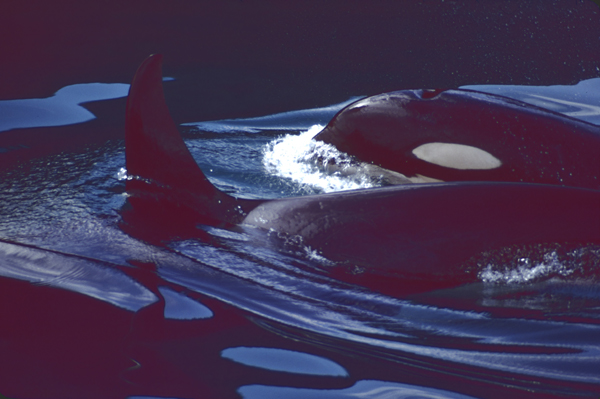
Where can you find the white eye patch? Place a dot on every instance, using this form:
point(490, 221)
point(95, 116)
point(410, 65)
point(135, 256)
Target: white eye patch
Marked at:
point(456, 156)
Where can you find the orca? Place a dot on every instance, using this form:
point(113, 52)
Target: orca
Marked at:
point(465, 135)
point(395, 239)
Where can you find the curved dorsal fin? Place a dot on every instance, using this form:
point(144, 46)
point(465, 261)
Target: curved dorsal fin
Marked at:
point(157, 159)
point(153, 146)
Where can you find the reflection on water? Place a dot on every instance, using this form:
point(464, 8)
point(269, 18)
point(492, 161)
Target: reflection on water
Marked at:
point(285, 361)
point(180, 307)
point(362, 389)
point(223, 313)
point(87, 276)
point(61, 109)
point(577, 101)
point(286, 121)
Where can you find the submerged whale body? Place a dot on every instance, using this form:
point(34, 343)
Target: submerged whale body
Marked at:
point(464, 135)
point(388, 238)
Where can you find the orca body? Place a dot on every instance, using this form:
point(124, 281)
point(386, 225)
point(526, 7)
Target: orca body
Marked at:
point(423, 232)
point(463, 135)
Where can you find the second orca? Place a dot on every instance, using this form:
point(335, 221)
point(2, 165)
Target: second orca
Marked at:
point(465, 135)
point(398, 239)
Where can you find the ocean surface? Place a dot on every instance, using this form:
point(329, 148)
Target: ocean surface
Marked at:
point(226, 316)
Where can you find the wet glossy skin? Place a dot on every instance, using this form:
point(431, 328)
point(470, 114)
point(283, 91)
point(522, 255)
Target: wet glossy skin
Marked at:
point(385, 232)
point(509, 140)
point(241, 59)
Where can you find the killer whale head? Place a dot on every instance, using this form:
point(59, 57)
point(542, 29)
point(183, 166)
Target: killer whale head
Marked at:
point(464, 135)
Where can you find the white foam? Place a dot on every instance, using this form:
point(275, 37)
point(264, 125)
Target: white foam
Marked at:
point(315, 256)
point(122, 174)
point(525, 271)
point(307, 161)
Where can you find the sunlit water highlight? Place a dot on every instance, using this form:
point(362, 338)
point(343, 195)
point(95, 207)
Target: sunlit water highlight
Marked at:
point(534, 313)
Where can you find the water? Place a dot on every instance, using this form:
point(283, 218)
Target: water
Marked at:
point(242, 319)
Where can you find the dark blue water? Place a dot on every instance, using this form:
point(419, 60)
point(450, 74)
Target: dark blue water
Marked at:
point(529, 328)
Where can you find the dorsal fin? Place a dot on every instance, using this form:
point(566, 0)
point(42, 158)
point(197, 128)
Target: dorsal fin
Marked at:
point(154, 148)
point(158, 161)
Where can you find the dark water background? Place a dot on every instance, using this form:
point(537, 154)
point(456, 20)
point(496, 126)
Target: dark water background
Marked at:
point(89, 311)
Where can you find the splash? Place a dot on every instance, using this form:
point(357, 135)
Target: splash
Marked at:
point(527, 265)
point(314, 163)
point(525, 270)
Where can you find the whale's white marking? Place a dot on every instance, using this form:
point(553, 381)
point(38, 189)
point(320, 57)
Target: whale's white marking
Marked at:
point(456, 156)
